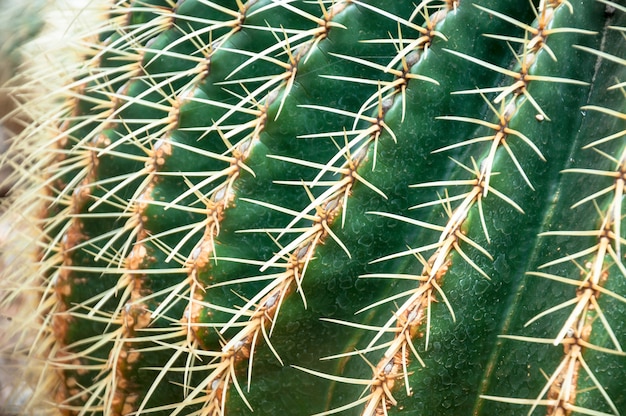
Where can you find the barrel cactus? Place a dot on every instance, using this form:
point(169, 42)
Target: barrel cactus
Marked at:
point(351, 207)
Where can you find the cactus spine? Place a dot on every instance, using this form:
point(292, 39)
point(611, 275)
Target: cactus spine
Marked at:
point(351, 207)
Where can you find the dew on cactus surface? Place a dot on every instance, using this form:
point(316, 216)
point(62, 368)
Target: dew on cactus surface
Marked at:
point(314, 208)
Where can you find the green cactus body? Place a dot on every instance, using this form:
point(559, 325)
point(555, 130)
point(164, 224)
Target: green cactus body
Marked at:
point(350, 207)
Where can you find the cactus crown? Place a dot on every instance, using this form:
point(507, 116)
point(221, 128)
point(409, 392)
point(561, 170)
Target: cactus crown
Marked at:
point(351, 207)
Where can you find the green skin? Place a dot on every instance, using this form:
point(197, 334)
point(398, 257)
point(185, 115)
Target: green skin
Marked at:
point(465, 359)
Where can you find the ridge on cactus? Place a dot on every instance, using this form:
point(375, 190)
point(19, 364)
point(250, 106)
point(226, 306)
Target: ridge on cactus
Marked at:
point(352, 207)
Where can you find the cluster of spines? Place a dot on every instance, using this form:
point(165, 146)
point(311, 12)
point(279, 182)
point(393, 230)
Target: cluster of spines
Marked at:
point(259, 313)
point(128, 252)
point(74, 169)
point(122, 253)
point(601, 263)
point(358, 144)
point(327, 206)
point(410, 317)
point(212, 390)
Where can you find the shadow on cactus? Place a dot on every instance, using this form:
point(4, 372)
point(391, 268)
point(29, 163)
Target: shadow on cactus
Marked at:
point(327, 207)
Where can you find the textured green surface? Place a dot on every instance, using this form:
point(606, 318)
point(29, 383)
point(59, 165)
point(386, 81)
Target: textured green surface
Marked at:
point(144, 293)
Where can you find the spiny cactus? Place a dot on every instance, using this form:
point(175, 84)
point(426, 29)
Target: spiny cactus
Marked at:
point(327, 207)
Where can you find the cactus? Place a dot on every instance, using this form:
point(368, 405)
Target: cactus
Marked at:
point(329, 207)
point(19, 23)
